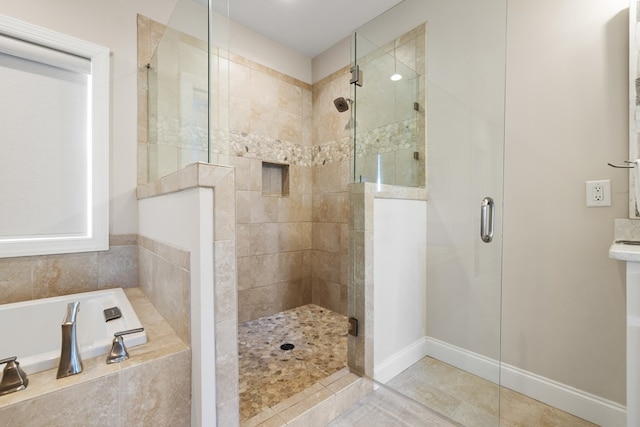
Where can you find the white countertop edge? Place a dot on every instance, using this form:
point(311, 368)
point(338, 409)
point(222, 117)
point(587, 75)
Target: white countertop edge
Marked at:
point(624, 252)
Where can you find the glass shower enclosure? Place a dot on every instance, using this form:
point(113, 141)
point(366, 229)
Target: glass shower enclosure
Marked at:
point(432, 146)
point(390, 112)
point(188, 90)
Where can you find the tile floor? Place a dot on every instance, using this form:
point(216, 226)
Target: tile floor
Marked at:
point(268, 374)
point(385, 408)
point(432, 393)
point(461, 397)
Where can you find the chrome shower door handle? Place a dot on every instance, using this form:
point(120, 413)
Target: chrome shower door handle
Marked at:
point(487, 215)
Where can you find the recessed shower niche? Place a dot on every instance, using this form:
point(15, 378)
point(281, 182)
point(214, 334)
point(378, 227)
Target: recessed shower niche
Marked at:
point(275, 179)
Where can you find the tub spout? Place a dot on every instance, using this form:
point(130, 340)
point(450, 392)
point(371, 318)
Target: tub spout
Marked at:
point(70, 362)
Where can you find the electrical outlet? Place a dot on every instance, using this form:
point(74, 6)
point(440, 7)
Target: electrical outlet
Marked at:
point(599, 193)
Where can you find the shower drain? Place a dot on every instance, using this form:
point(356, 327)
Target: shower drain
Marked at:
point(287, 346)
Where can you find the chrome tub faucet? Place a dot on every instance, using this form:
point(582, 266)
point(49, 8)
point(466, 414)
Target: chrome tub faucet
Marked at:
point(70, 362)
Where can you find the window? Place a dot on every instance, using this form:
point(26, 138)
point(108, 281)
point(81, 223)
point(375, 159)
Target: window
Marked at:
point(54, 142)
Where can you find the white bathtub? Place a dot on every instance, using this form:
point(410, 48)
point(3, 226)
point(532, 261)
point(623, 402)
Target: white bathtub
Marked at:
point(31, 329)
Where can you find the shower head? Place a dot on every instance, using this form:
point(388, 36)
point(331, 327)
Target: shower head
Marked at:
point(342, 104)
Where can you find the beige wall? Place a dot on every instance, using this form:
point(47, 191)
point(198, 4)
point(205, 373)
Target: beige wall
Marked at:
point(563, 298)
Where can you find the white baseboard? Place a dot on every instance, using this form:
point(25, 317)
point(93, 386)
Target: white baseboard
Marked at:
point(399, 361)
point(474, 363)
point(592, 408)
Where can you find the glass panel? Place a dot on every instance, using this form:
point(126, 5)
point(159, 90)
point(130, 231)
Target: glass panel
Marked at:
point(389, 147)
point(178, 92)
point(424, 286)
point(219, 135)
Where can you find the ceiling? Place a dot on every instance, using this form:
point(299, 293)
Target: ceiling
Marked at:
point(307, 26)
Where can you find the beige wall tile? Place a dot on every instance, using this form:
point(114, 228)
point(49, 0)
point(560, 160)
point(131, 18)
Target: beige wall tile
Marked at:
point(344, 238)
point(294, 236)
point(243, 172)
point(263, 208)
point(316, 411)
point(325, 265)
point(227, 413)
point(289, 127)
point(295, 208)
point(225, 204)
point(332, 177)
point(243, 207)
point(239, 85)
point(225, 280)
point(264, 88)
point(301, 179)
point(156, 393)
point(240, 120)
point(246, 272)
point(327, 236)
point(243, 240)
point(264, 121)
point(264, 238)
point(118, 267)
point(270, 299)
point(330, 207)
point(55, 275)
point(15, 279)
point(349, 390)
point(166, 284)
point(307, 266)
point(227, 361)
point(290, 98)
point(260, 270)
point(329, 295)
point(75, 405)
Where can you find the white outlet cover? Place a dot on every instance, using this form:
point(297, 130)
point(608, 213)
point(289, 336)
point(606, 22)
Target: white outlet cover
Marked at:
point(605, 200)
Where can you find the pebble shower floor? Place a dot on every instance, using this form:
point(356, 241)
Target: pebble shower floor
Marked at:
point(270, 374)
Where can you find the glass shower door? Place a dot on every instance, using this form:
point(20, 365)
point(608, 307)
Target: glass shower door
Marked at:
point(428, 255)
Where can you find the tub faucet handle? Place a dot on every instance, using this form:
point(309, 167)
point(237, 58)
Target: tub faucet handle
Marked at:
point(13, 377)
point(118, 351)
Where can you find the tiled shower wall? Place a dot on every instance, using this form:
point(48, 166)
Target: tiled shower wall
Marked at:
point(292, 248)
point(271, 122)
point(331, 175)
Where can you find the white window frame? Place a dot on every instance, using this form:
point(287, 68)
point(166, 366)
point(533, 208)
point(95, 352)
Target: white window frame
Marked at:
point(96, 235)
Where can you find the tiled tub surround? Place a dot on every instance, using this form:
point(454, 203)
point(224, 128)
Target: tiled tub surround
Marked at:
point(35, 277)
point(269, 374)
point(153, 387)
point(164, 278)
